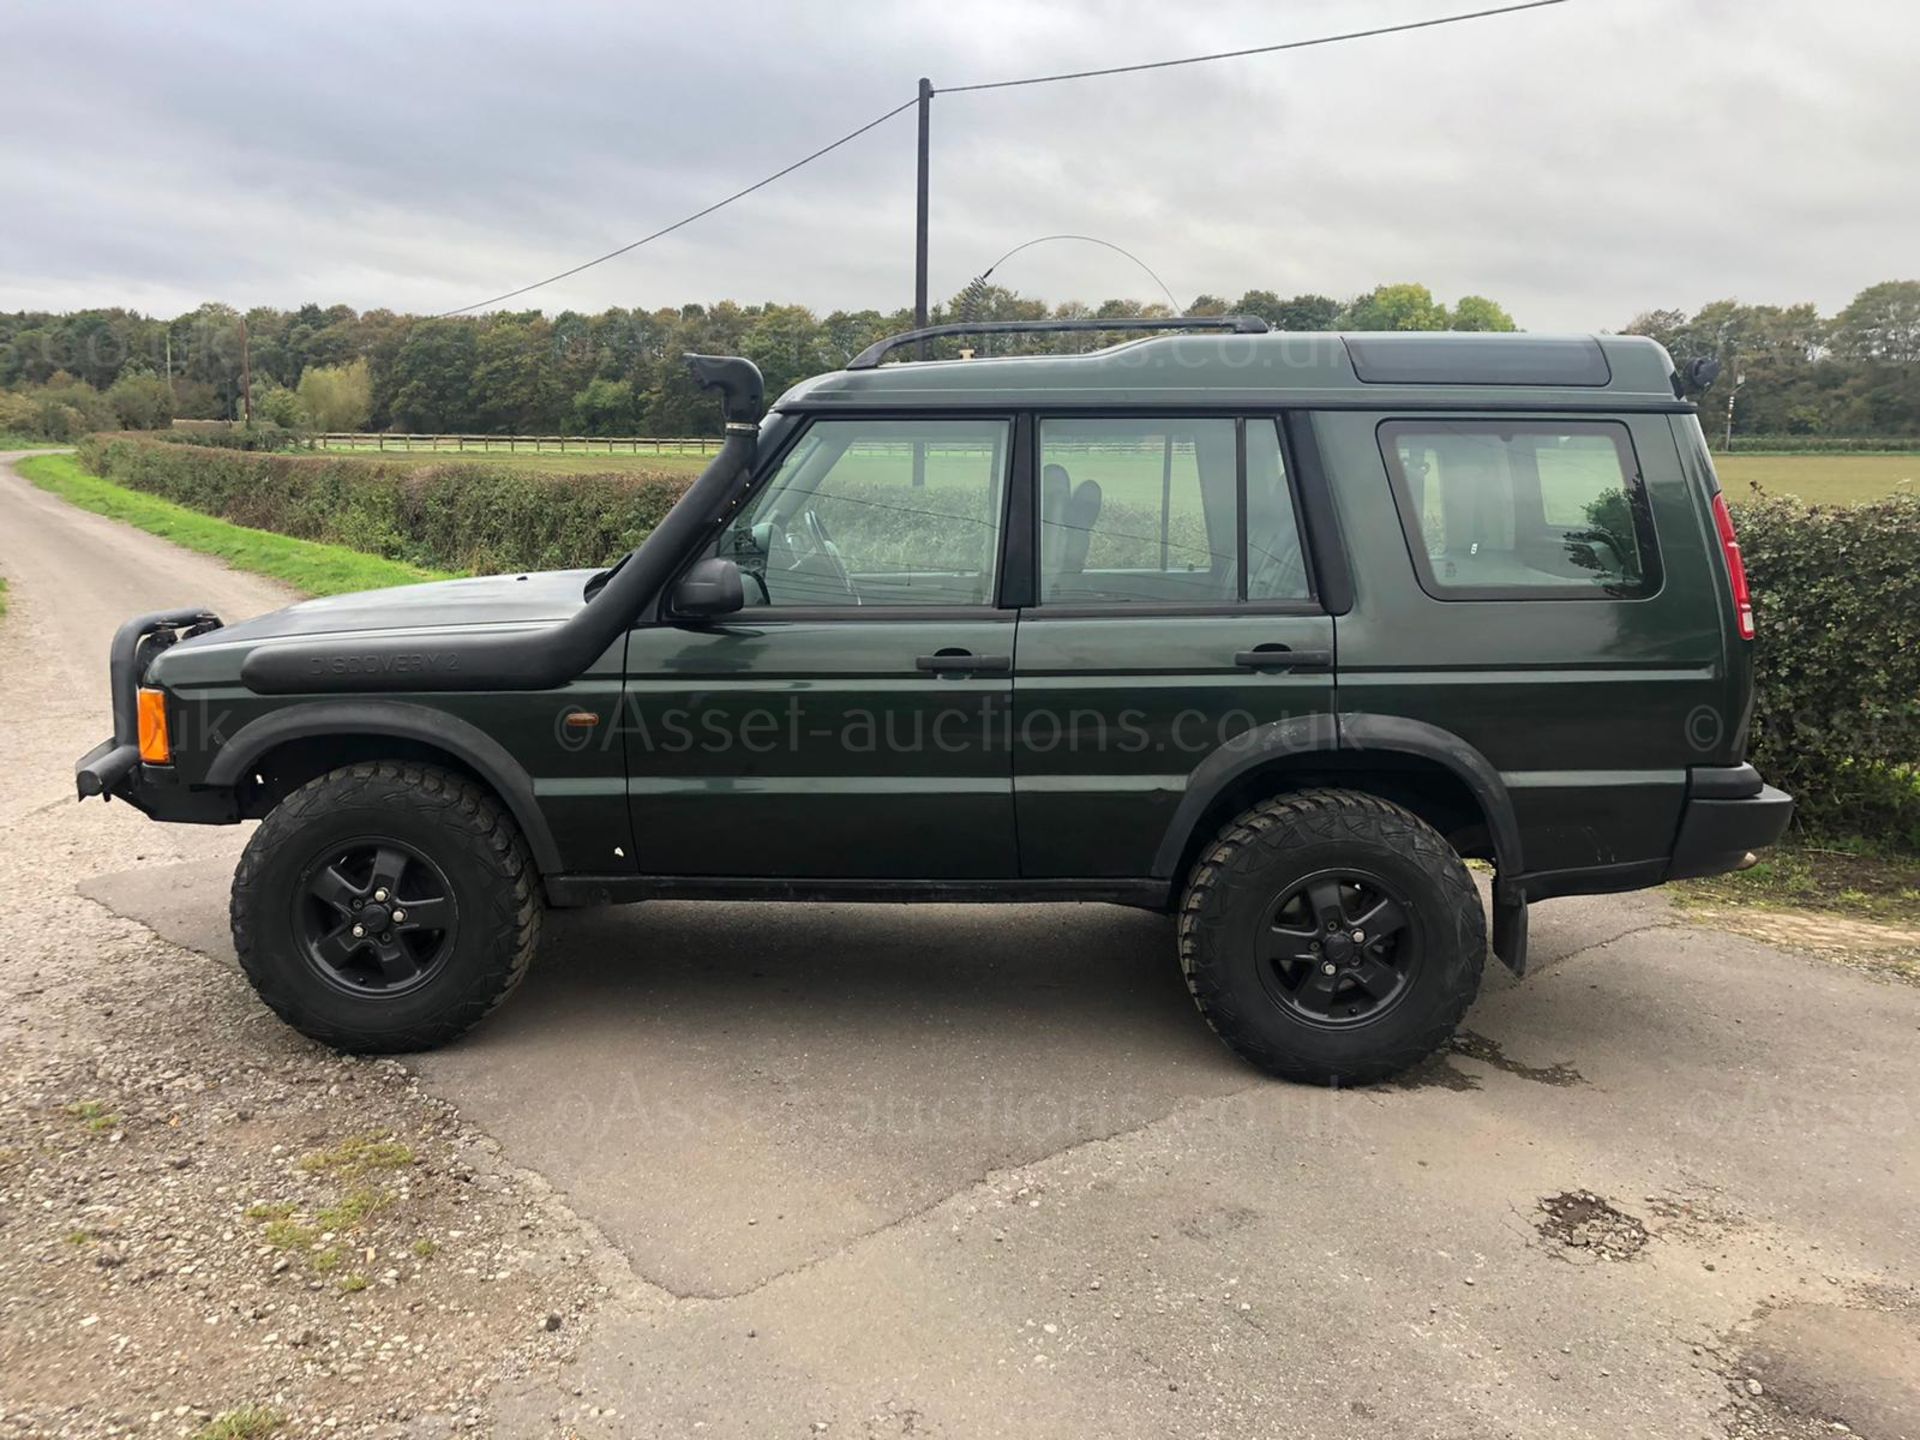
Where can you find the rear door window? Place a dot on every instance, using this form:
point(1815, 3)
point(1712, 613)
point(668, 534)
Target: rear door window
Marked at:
point(1276, 563)
point(1502, 509)
point(1155, 512)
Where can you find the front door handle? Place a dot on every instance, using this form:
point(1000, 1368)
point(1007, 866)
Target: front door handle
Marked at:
point(1279, 657)
point(965, 662)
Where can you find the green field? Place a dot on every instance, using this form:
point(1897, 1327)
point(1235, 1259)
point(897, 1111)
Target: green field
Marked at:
point(545, 462)
point(1820, 479)
point(555, 463)
point(314, 568)
point(1817, 479)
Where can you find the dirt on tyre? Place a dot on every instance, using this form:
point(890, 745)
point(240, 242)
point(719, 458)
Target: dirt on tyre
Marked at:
point(1332, 937)
point(386, 907)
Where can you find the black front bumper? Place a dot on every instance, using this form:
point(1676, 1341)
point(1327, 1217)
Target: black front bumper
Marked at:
point(104, 769)
point(1729, 811)
point(114, 771)
point(113, 766)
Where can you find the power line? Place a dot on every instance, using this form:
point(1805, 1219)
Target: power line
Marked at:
point(879, 120)
point(688, 220)
point(1255, 50)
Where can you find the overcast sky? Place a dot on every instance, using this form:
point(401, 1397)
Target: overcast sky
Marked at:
point(1578, 163)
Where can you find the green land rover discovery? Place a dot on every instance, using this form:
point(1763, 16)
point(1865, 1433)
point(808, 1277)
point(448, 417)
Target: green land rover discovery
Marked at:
point(1269, 632)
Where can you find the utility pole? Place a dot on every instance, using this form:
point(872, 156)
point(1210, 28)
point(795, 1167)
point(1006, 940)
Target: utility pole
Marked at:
point(1738, 381)
point(246, 372)
point(920, 258)
point(920, 213)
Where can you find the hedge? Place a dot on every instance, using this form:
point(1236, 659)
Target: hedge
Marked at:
point(262, 435)
point(1837, 657)
point(471, 517)
point(1816, 444)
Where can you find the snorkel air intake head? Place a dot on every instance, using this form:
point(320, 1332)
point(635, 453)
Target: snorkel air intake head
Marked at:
point(742, 392)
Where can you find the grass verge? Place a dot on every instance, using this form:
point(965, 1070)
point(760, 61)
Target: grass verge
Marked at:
point(304, 564)
point(1861, 910)
point(1859, 885)
point(26, 442)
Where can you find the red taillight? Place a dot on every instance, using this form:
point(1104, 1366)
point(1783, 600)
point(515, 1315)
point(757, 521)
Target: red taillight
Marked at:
point(1736, 569)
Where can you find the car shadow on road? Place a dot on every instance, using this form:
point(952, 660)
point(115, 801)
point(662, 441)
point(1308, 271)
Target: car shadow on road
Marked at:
point(681, 1069)
point(1052, 989)
point(988, 977)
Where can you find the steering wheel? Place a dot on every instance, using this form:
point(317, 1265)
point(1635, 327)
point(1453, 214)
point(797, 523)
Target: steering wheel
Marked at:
point(808, 550)
point(824, 547)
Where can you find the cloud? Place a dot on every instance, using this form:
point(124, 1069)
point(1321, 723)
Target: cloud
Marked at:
point(1578, 163)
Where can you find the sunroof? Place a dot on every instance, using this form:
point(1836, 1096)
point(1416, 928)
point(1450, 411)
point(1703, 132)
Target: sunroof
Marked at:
point(1478, 360)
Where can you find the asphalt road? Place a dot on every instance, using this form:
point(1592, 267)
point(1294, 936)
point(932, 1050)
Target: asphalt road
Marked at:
point(982, 1171)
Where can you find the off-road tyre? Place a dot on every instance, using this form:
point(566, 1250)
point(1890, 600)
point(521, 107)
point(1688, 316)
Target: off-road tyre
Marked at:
point(460, 829)
point(1237, 884)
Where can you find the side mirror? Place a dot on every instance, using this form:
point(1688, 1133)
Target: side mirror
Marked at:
point(711, 587)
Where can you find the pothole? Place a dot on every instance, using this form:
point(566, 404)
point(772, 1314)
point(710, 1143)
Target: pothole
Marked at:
point(1583, 1224)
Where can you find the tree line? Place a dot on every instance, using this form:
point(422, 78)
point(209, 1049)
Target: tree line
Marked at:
point(618, 372)
point(1791, 371)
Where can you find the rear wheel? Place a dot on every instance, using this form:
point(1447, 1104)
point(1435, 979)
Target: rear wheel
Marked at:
point(1332, 937)
point(386, 907)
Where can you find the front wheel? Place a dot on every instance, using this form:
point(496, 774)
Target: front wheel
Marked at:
point(1332, 937)
point(385, 907)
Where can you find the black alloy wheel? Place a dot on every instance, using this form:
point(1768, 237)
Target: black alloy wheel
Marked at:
point(1332, 936)
point(1337, 948)
point(374, 917)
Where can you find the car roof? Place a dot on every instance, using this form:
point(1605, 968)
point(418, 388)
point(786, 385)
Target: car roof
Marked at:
point(1373, 370)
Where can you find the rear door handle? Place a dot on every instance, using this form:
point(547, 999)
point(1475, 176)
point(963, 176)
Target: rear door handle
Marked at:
point(961, 662)
point(1278, 657)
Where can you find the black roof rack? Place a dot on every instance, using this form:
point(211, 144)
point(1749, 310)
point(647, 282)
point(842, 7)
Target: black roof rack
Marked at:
point(869, 358)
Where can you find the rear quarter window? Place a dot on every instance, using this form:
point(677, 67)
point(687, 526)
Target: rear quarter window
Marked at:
point(1513, 509)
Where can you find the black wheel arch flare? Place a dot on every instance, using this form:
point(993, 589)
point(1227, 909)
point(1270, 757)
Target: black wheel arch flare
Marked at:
point(395, 719)
point(1273, 746)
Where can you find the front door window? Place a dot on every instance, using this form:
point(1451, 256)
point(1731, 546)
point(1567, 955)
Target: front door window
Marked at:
point(877, 512)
